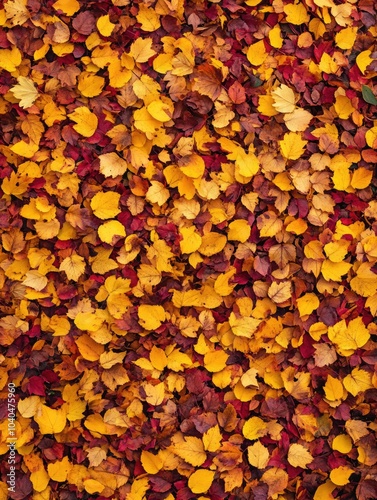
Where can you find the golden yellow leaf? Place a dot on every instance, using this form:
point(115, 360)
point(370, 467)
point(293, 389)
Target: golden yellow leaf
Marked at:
point(159, 111)
point(324, 491)
point(93, 486)
point(243, 326)
point(342, 443)
point(340, 475)
point(28, 406)
point(157, 193)
point(333, 271)
point(191, 240)
point(96, 456)
point(361, 178)
point(212, 439)
point(296, 13)
point(69, 7)
point(280, 292)
point(239, 230)
point(222, 286)
point(105, 205)
point(292, 147)
point(307, 304)
point(215, 361)
point(284, 99)
point(86, 121)
point(333, 389)
point(89, 348)
point(35, 280)
point(148, 18)
point(358, 381)
point(58, 470)
point(269, 224)
point(298, 226)
point(212, 243)
point(337, 250)
point(111, 358)
point(348, 338)
point(254, 428)
point(191, 450)
point(158, 358)
point(50, 421)
point(363, 60)
point(73, 266)
point(90, 85)
point(105, 26)
point(151, 316)
point(10, 59)
point(151, 463)
point(155, 394)
point(111, 230)
point(258, 455)
point(25, 91)
point(256, 53)
point(201, 480)
point(365, 282)
point(112, 165)
point(299, 456)
point(141, 50)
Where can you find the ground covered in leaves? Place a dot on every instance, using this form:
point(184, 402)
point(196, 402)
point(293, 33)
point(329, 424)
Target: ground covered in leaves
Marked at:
point(188, 249)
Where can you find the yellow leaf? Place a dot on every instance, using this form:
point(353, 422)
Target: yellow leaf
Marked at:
point(193, 166)
point(102, 263)
point(58, 470)
point(292, 147)
point(163, 63)
point(361, 178)
point(324, 491)
point(10, 59)
point(159, 111)
point(28, 406)
point(243, 326)
point(296, 13)
point(365, 282)
point(327, 64)
point(222, 286)
point(191, 450)
point(298, 120)
point(25, 91)
point(25, 149)
point(266, 105)
point(35, 280)
point(299, 456)
point(333, 389)
point(138, 489)
point(96, 456)
point(111, 358)
point(275, 37)
point(336, 251)
point(86, 121)
point(348, 338)
point(148, 18)
point(39, 479)
point(346, 38)
point(358, 381)
point(342, 443)
point(340, 476)
point(50, 421)
point(254, 428)
point(258, 455)
point(151, 317)
point(158, 358)
point(90, 85)
point(88, 321)
point(110, 230)
point(151, 463)
point(105, 205)
point(307, 304)
point(284, 99)
point(93, 486)
point(239, 230)
point(69, 7)
point(363, 60)
point(73, 266)
point(105, 26)
point(201, 480)
point(178, 360)
point(212, 243)
point(141, 50)
point(191, 240)
point(256, 53)
point(155, 394)
point(215, 361)
point(212, 439)
point(111, 165)
point(249, 378)
point(298, 226)
point(157, 193)
point(280, 292)
point(88, 348)
point(371, 137)
point(333, 271)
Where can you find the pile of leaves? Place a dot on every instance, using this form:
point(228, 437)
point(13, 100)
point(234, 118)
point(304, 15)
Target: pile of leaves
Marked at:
point(188, 224)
